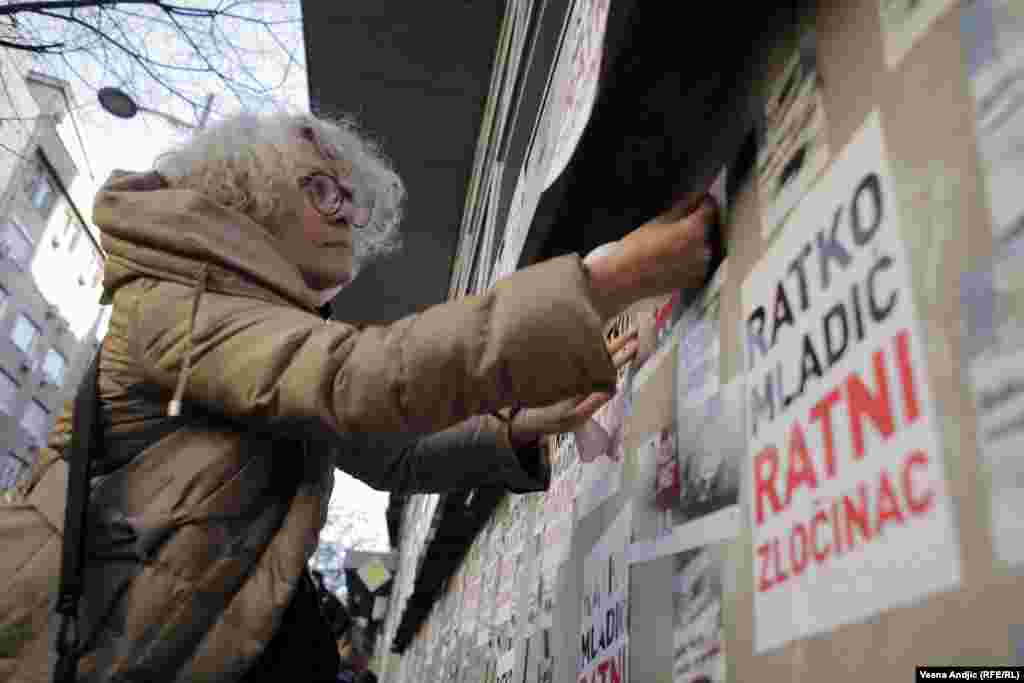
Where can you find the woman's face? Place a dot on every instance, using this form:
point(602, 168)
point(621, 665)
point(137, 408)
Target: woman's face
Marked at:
point(321, 246)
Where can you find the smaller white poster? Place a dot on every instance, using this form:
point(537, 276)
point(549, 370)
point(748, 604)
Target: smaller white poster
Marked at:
point(697, 616)
point(688, 481)
point(795, 148)
point(849, 508)
point(604, 626)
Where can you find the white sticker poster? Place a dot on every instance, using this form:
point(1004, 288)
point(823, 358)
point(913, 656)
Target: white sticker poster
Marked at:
point(574, 88)
point(604, 624)
point(993, 40)
point(848, 501)
point(905, 22)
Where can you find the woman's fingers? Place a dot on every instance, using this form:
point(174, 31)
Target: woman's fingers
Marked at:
point(590, 405)
point(625, 354)
point(615, 345)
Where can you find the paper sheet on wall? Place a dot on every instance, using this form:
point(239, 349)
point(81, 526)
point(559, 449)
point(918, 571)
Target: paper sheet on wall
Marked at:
point(506, 666)
point(992, 298)
point(993, 40)
point(574, 88)
point(848, 500)
point(556, 531)
point(688, 473)
point(697, 616)
point(992, 305)
point(600, 452)
point(659, 334)
point(604, 624)
point(485, 614)
point(794, 147)
point(509, 564)
point(472, 587)
point(524, 204)
point(688, 480)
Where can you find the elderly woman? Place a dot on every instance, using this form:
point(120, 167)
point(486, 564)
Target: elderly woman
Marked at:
point(227, 401)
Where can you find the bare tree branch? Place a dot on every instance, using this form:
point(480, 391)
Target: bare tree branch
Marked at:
point(134, 54)
point(15, 8)
point(227, 83)
point(31, 48)
point(168, 55)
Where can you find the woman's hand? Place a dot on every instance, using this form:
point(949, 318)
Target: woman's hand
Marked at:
point(530, 424)
point(667, 253)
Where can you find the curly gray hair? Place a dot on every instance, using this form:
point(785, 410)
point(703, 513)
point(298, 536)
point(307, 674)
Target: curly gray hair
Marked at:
point(251, 163)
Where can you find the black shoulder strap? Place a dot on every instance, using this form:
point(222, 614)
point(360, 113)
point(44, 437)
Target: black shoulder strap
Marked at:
point(85, 437)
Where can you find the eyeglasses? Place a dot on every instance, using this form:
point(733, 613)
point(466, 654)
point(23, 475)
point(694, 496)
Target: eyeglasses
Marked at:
point(337, 199)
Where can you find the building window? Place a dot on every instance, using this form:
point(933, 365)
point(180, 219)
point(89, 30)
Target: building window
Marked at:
point(53, 367)
point(36, 421)
point(40, 187)
point(8, 392)
point(25, 333)
point(15, 242)
point(12, 469)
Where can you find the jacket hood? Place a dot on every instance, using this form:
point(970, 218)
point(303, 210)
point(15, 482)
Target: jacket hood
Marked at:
point(150, 229)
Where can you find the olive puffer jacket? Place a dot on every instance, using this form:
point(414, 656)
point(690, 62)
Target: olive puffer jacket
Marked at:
point(227, 402)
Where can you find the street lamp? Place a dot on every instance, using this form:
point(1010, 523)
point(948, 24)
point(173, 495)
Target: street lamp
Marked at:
point(119, 103)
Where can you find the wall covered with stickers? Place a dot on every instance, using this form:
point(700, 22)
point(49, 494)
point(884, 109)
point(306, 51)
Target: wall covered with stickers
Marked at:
point(814, 468)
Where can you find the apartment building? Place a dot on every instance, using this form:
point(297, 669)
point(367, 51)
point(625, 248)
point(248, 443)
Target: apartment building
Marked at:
point(50, 265)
